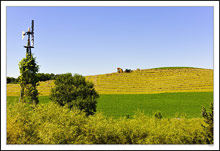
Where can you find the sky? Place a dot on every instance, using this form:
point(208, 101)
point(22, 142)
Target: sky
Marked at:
point(97, 40)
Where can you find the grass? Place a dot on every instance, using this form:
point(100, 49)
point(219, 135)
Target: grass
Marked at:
point(171, 105)
point(144, 81)
point(148, 81)
point(13, 99)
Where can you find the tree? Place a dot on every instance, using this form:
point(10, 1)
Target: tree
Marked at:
point(75, 91)
point(28, 79)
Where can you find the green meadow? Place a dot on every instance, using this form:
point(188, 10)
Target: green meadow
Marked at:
point(171, 105)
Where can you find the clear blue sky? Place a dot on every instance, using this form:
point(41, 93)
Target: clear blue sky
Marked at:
point(97, 40)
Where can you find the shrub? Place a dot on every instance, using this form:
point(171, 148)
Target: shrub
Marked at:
point(75, 91)
point(20, 126)
point(208, 126)
point(128, 70)
point(52, 124)
point(44, 124)
point(158, 115)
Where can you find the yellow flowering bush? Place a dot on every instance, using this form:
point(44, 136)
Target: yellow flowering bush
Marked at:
point(53, 124)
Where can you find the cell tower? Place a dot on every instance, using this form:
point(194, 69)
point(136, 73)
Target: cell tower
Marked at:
point(30, 44)
point(30, 34)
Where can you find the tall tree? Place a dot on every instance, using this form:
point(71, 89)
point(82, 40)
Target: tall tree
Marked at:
point(28, 79)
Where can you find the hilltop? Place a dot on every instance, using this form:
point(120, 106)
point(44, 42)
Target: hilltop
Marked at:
point(142, 81)
point(156, 80)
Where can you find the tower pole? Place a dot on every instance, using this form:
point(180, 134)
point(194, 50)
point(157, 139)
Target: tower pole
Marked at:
point(28, 47)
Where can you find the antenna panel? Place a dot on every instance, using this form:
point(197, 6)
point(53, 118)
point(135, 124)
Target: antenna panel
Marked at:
point(32, 33)
point(32, 26)
point(23, 34)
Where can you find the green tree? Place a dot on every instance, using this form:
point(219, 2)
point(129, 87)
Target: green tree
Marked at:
point(28, 79)
point(75, 91)
point(208, 126)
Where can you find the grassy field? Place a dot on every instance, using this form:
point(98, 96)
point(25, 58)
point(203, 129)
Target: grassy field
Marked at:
point(170, 104)
point(178, 93)
point(145, 81)
point(172, 90)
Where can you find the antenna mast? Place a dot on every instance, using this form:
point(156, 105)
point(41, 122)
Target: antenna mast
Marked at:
point(30, 43)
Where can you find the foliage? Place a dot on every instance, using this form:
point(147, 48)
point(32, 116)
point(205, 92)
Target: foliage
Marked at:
point(12, 80)
point(128, 70)
point(208, 126)
point(45, 76)
point(75, 91)
point(52, 124)
point(20, 125)
point(40, 76)
point(158, 115)
point(28, 79)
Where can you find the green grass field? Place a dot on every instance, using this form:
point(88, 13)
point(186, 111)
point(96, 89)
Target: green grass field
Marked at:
point(170, 104)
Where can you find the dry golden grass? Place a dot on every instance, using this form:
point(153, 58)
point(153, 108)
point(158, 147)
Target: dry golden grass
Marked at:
point(145, 81)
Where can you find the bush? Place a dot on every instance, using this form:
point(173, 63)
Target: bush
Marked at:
point(52, 124)
point(158, 115)
point(128, 70)
point(20, 126)
point(75, 91)
point(208, 126)
point(44, 124)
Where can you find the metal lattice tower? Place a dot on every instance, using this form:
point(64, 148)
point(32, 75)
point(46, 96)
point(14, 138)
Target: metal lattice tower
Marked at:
point(30, 44)
point(30, 34)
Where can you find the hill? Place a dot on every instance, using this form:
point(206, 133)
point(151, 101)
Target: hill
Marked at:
point(156, 80)
point(145, 81)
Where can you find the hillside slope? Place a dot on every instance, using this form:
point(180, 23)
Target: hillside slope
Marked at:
point(146, 81)
point(157, 80)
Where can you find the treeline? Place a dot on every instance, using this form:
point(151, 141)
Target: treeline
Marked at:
point(12, 80)
point(40, 76)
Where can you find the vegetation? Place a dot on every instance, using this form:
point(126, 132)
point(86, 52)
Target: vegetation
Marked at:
point(74, 91)
point(208, 126)
point(141, 82)
point(161, 118)
point(158, 115)
point(12, 80)
point(46, 76)
point(170, 105)
point(40, 76)
point(53, 124)
point(28, 80)
point(128, 70)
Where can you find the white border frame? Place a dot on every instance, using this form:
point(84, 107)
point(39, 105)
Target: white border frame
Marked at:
point(215, 4)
